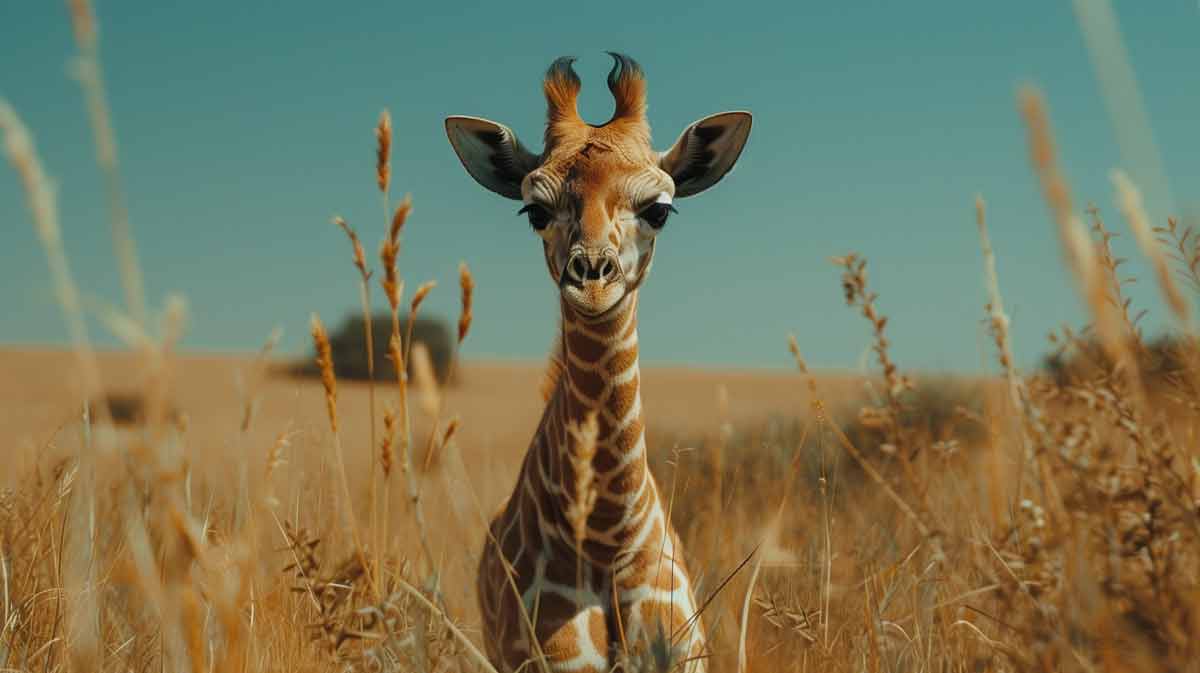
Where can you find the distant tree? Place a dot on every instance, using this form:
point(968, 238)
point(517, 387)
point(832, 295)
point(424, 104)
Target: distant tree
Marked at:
point(1165, 356)
point(349, 346)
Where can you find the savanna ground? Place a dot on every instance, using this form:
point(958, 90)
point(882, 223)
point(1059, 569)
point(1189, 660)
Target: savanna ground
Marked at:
point(234, 517)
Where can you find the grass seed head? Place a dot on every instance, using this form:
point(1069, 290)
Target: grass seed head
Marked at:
point(389, 251)
point(383, 151)
point(419, 296)
point(83, 20)
point(386, 449)
point(360, 258)
point(325, 363)
point(396, 355)
point(467, 283)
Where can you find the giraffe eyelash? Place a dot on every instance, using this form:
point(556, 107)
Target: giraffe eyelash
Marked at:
point(657, 213)
point(539, 216)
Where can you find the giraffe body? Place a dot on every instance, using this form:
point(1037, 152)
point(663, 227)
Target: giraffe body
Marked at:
point(628, 577)
point(584, 596)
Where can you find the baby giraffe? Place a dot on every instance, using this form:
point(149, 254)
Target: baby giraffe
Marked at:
point(581, 567)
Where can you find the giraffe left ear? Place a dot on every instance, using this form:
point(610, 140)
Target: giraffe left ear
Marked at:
point(706, 151)
point(491, 153)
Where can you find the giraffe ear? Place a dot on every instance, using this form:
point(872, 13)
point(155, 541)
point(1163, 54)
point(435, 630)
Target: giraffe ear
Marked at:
point(706, 151)
point(491, 153)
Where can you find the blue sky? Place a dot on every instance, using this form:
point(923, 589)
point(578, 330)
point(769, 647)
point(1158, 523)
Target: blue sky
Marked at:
point(243, 127)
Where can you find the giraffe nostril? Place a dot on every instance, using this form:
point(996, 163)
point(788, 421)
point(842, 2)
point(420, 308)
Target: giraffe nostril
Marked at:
point(610, 270)
point(578, 268)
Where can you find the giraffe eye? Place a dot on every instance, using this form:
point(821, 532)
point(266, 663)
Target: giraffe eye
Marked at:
point(656, 214)
point(538, 216)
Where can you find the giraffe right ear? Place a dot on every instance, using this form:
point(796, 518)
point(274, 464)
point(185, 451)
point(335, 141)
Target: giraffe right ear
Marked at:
point(491, 153)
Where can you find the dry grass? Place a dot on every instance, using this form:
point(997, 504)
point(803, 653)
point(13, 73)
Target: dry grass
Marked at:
point(892, 523)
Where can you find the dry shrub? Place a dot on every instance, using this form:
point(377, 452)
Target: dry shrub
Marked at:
point(129, 409)
point(943, 411)
point(1081, 554)
point(1079, 359)
point(349, 345)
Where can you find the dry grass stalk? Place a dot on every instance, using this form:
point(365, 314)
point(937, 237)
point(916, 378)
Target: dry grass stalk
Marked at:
point(406, 464)
point(360, 259)
point(857, 294)
point(892, 419)
point(1185, 250)
point(43, 206)
point(393, 288)
point(414, 306)
point(998, 319)
point(329, 382)
point(434, 449)
point(364, 294)
point(87, 69)
point(999, 323)
point(1129, 200)
point(1079, 252)
point(258, 375)
point(275, 458)
point(822, 415)
point(79, 568)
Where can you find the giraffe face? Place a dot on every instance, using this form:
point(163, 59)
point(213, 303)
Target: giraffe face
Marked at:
point(598, 196)
point(597, 214)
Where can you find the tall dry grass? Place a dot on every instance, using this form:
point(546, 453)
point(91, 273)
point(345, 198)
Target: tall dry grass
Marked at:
point(1012, 523)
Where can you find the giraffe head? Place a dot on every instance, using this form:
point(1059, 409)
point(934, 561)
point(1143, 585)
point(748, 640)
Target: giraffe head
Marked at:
point(598, 196)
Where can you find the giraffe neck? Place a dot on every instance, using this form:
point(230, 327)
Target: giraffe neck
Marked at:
point(600, 376)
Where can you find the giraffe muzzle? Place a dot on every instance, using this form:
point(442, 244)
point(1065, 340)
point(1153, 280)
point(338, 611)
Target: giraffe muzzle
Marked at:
point(586, 266)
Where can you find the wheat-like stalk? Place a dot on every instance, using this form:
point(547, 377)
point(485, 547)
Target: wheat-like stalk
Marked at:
point(329, 382)
point(414, 306)
point(91, 78)
point(1079, 252)
point(79, 578)
point(383, 152)
point(364, 294)
point(406, 465)
point(324, 362)
point(467, 286)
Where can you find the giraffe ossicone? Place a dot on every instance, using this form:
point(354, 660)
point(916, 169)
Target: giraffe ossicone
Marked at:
point(598, 196)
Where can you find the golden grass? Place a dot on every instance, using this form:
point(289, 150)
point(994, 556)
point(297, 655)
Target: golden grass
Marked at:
point(859, 532)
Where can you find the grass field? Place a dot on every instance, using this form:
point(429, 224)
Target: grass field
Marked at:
point(224, 515)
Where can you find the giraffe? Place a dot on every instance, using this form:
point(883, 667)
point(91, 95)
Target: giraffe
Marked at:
point(598, 197)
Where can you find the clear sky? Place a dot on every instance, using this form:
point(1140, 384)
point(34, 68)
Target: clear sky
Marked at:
point(244, 126)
